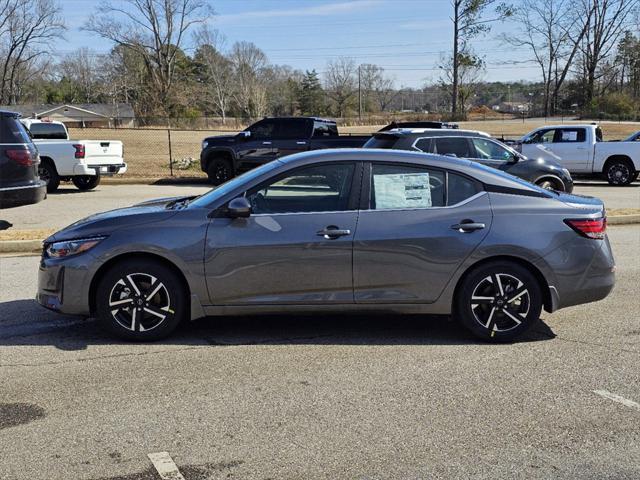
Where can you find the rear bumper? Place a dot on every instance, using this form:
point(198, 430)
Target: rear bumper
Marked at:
point(106, 169)
point(11, 197)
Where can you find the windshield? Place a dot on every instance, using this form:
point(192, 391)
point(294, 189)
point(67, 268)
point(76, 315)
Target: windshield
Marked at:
point(212, 195)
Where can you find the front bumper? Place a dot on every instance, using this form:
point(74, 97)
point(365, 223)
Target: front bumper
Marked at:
point(19, 196)
point(63, 284)
point(104, 170)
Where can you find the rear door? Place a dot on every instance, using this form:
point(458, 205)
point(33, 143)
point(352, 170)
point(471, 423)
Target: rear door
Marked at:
point(458, 147)
point(411, 233)
point(571, 146)
point(292, 136)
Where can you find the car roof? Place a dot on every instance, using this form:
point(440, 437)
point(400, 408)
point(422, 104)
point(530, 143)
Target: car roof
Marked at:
point(8, 113)
point(480, 172)
point(580, 125)
point(435, 132)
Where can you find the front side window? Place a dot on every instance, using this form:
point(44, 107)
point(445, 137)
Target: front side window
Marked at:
point(321, 188)
point(263, 129)
point(542, 136)
point(488, 150)
point(452, 146)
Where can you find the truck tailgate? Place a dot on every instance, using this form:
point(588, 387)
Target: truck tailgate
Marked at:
point(103, 152)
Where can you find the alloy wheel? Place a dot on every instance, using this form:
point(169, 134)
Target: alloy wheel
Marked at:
point(500, 302)
point(140, 302)
point(221, 172)
point(619, 173)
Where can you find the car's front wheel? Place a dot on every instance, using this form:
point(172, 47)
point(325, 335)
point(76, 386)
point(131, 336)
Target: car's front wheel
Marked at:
point(219, 171)
point(551, 183)
point(499, 301)
point(140, 300)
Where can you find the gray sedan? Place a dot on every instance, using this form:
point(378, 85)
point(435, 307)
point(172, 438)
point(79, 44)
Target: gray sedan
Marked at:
point(337, 231)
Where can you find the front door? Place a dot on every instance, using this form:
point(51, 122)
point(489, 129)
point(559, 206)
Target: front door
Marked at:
point(257, 148)
point(297, 245)
point(420, 225)
point(492, 154)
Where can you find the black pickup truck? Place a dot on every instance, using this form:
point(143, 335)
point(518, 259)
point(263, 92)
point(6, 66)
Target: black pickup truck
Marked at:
point(223, 157)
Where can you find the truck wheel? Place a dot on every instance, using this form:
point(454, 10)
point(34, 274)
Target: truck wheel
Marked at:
point(219, 171)
point(47, 172)
point(86, 182)
point(619, 173)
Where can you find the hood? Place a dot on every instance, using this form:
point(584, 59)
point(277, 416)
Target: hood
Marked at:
point(221, 140)
point(107, 222)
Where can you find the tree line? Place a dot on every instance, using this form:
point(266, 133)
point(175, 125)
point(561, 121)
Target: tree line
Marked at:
point(587, 53)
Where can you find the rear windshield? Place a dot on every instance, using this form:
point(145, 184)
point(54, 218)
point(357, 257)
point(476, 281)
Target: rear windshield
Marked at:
point(49, 131)
point(12, 131)
point(381, 141)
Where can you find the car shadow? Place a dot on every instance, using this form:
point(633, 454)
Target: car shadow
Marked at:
point(24, 322)
point(67, 190)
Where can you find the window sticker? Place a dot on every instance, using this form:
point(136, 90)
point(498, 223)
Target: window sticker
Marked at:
point(569, 135)
point(402, 190)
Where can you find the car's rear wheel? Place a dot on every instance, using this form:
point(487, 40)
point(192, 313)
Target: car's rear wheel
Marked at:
point(86, 182)
point(499, 301)
point(47, 172)
point(620, 172)
point(219, 171)
point(140, 300)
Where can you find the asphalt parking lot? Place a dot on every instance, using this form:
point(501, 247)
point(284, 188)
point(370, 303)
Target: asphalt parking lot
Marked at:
point(69, 204)
point(363, 397)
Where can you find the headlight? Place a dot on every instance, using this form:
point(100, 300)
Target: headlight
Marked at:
point(566, 172)
point(71, 247)
point(204, 144)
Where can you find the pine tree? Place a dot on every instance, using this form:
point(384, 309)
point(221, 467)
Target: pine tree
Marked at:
point(311, 96)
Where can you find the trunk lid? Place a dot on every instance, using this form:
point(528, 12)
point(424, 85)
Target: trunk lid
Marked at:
point(102, 152)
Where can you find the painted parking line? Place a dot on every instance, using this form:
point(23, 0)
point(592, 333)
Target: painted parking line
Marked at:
point(165, 466)
point(617, 398)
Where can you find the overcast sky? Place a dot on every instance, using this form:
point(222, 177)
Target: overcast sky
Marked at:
point(406, 37)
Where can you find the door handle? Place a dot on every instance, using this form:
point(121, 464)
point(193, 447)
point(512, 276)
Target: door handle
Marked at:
point(332, 232)
point(301, 143)
point(468, 226)
point(266, 143)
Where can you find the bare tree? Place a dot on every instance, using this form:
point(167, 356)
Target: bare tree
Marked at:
point(552, 31)
point(155, 30)
point(340, 83)
point(468, 21)
point(607, 23)
point(81, 68)
point(217, 69)
point(249, 93)
point(470, 70)
point(383, 90)
point(26, 30)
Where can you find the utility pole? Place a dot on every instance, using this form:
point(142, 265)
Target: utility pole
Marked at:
point(359, 92)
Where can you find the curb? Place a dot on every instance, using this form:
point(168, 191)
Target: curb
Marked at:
point(35, 246)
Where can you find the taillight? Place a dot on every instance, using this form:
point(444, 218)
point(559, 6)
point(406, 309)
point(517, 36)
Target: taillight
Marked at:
point(79, 150)
point(590, 228)
point(21, 156)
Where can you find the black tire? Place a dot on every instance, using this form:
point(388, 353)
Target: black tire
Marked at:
point(492, 316)
point(551, 183)
point(634, 177)
point(219, 170)
point(620, 172)
point(161, 313)
point(86, 182)
point(47, 172)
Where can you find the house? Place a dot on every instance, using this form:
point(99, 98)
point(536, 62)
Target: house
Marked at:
point(80, 115)
point(511, 107)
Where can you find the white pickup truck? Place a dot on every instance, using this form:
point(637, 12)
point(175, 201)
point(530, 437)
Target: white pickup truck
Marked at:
point(81, 161)
point(581, 150)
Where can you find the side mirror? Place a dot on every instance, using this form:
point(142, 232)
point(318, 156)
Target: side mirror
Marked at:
point(239, 208)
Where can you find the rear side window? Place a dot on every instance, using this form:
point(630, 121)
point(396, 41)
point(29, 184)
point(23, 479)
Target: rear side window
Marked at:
point(49, 131)
point(321, 129)
point(294, 128)
point(424, 145)
point(381, 141)
point(570, 135)
point(459, 188)
point(452, 146)
point(404, 187)
point(12, 131)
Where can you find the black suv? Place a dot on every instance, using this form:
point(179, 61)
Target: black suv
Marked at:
point(19, 180)
point(479, 147)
